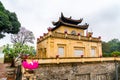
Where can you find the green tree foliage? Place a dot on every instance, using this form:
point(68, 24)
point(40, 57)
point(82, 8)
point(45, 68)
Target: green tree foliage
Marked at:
point(111, 47)
point(107, 55)
point(105, 47)
point(8, 22)
point(114, 45)
point(18, 49)
point(115, 53)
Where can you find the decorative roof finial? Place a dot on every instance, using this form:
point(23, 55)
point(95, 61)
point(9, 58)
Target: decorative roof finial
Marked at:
point(61, 14)
point(70, 17)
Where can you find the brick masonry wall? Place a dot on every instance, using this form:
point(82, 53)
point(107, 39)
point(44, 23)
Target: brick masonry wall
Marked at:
point(76, 71)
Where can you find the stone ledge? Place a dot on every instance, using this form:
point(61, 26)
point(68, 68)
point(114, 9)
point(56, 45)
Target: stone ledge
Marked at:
point(74, 60)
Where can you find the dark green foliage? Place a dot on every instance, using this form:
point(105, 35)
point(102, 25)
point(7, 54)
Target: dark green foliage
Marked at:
point(8, 22)
point(111, 47)
point(105, 47)
point(114, 45)
point(7, 59)
point(106, 55)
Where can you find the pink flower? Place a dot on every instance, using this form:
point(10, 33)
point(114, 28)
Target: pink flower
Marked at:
point(32, 65)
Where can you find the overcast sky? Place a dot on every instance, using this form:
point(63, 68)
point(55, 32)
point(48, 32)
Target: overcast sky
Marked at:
point(103, 16)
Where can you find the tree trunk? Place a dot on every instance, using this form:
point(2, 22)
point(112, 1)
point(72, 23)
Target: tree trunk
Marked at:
point(12, 63)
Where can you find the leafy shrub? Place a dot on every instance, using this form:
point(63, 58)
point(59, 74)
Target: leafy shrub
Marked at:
point(107, 55)
point(115, 53)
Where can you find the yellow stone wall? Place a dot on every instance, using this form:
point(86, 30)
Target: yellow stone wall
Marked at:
point(48, 47)
point(41, 52)
point(61, 29)
point(52, 48)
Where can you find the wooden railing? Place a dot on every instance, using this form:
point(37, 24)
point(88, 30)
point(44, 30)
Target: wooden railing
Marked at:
point(74, 60)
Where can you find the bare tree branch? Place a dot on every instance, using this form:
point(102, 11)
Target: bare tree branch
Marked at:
point(23, 36)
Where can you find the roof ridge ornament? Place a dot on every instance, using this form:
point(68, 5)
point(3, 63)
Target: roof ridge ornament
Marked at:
point(70, 17)
point(62, 14)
